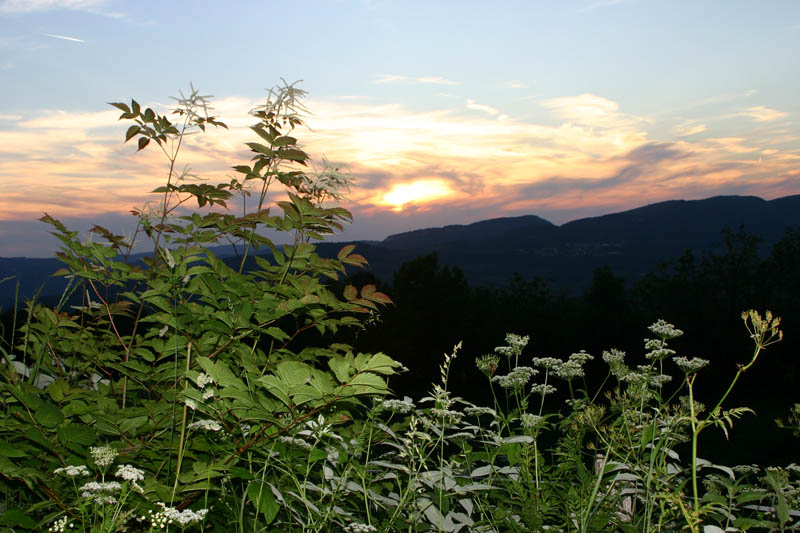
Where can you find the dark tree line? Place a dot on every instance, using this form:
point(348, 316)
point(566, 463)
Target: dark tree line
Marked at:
point(703, 294)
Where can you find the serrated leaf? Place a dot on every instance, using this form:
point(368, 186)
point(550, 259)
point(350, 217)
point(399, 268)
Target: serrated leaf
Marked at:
point(48, 415)
point(341, 368)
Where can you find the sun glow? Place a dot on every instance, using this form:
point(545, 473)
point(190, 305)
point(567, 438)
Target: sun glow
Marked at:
point(417, 191)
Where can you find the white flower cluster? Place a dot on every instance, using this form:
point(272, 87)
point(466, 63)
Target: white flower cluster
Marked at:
point(580, 357)
point(616, 362)
point(72, 471)
point(548, 363)
point(449, 414)
point(59, 526)
point(665, 330)
point(398, 406)
point(659, 380)
point(207, 425)
point(517, 378)
point(357, 527)
point(487, 363)
point(169, 515)
point(103, 456)
point(516, 344)
point(129, 473)
point(530, 421)
point(657, 349)
point(569, 369)
point(203, 380)
point(101, 492)
point(293, 441)
point(542, 388)
point(692, 365)
point(478, 411)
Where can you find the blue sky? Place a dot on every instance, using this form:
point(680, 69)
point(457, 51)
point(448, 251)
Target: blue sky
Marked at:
point(445, 112)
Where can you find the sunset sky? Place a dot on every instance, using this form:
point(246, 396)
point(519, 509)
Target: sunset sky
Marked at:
point(445, 112)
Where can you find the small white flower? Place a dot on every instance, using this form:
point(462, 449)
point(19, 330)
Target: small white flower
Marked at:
point(191, 404)
point(101, 493)
point(208, 393)
point(129, 473)
point(665, 330)
point(449, 414)
point(530, 421)
point(170, 515)
point(517, 378)
point(203, 380)
point(398, 406)
point(657, 349)
point(207, 425)
point(357, 527)
point(549, 363)
point(72, 471)
point(293, 441)
point(542, 388)
point(478, 411)
point(692, 365)
point(103, 456)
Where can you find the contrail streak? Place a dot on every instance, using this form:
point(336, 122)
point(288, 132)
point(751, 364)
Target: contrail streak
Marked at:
point(65, 38)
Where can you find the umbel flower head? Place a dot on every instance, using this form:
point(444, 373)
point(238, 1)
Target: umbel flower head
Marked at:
point(103, 456)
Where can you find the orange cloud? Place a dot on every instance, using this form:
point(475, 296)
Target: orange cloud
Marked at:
point(590, 155)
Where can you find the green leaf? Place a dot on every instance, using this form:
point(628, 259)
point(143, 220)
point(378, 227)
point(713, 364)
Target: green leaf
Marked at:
point(294, 373)
point(341, 368)
point(263, 499)
point(350, 293)
point(48, 415)
point(143, 141)
point(293, 154)
point(381, 364)
point(368, 383)
point(132, 131)
point(122, 107)
point(8, 450)
point(77, 433)
point(261, 149)
point(16, 518)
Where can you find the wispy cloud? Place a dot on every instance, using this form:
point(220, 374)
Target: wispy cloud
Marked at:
point(10, 118)
point(64, 37)
point(394, 78)
point(6, 66)
point(763, 113)
point(95, 7)
point(689, 128)
point(472, 104)
point(29, 6)
point(405, 162)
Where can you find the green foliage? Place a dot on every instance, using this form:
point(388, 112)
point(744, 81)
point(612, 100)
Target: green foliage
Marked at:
point(188, 391)
point(186, 365)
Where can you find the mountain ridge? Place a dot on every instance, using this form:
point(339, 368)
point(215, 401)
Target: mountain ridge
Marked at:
point(490, 251)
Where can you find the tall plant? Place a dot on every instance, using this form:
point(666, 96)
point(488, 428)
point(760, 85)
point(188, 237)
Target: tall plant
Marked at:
point(184, 363)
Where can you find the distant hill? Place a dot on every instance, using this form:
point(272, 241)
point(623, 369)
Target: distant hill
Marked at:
point(491, 251)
